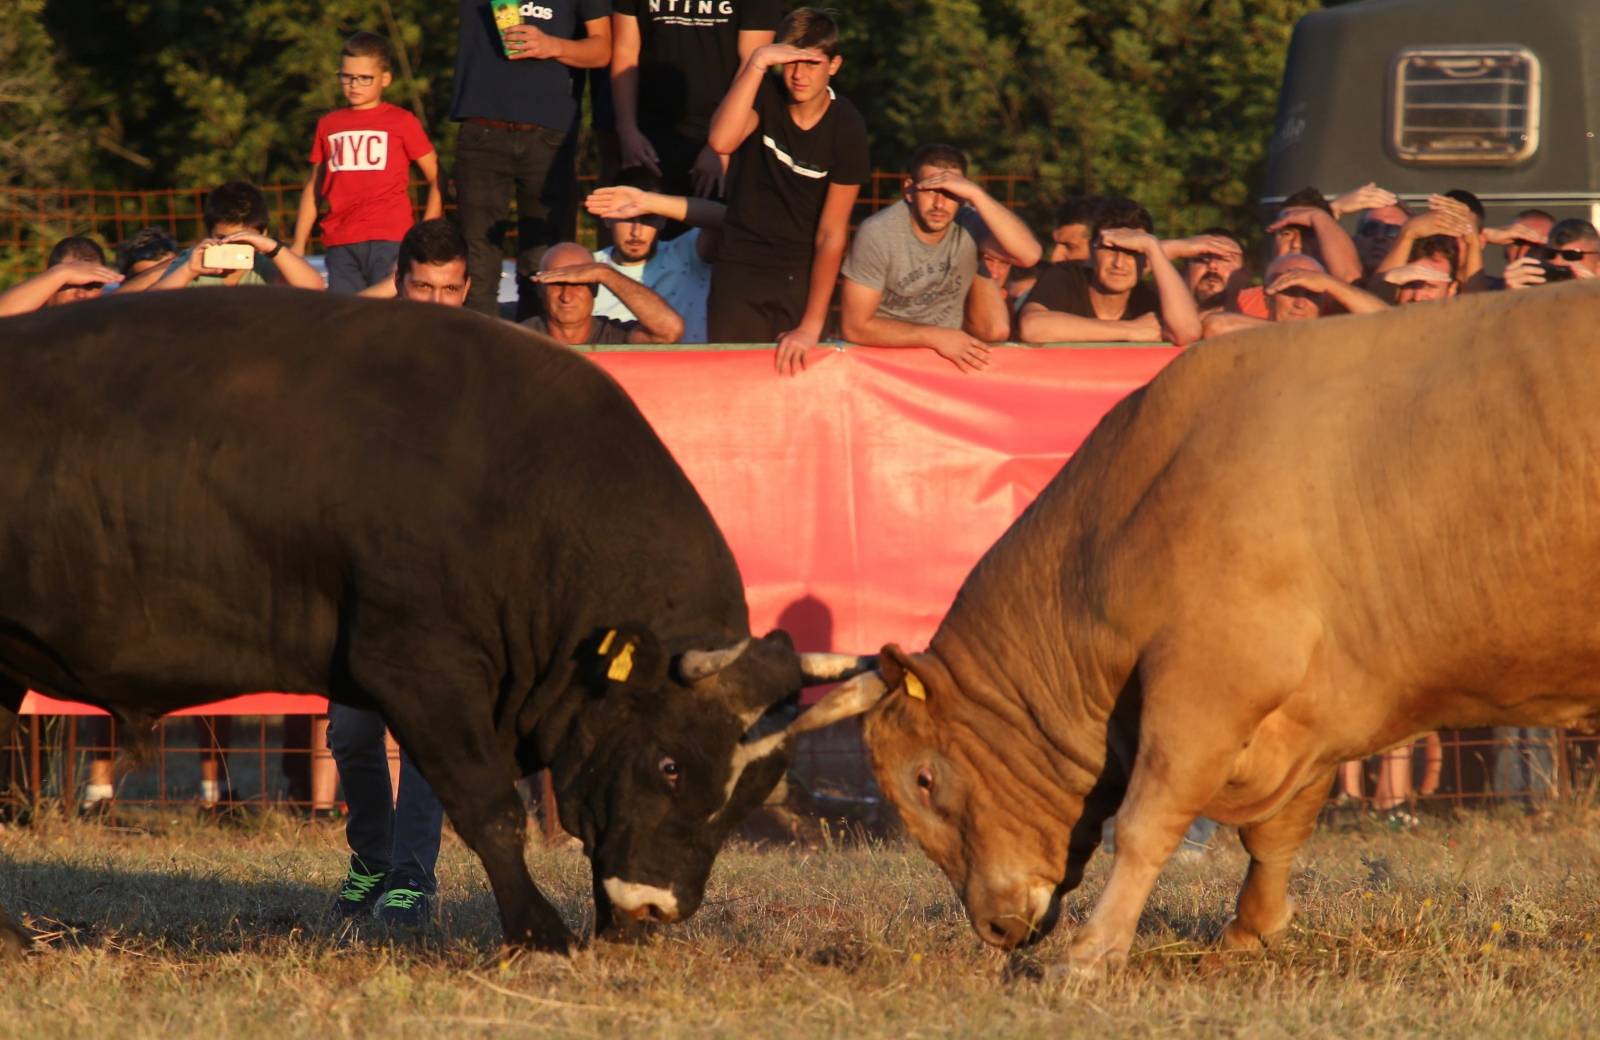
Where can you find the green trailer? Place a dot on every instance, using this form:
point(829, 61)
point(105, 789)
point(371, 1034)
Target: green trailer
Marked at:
point(1501, 97)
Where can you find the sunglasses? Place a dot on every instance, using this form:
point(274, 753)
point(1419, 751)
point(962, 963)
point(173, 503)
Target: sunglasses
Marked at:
point(1574, 255)
point(1378, 229)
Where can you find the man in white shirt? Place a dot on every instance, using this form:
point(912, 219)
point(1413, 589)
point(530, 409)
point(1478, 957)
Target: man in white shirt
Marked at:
point(677, 269)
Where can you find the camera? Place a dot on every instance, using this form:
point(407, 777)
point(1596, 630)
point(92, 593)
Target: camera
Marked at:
point(229, 256)
point(1554, 272)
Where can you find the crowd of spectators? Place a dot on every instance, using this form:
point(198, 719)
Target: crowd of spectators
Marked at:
point(736, 166)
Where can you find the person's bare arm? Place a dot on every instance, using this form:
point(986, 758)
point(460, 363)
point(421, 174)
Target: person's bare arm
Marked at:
point(1178, 312)
point(1352, 299)
point(1198, 245)
point(1012, 236)
point(861, 323)
point(434, 207)
point(985, 315)
point(135, 283)
point(833, 232)
point(623, 202)
point(306, 219)
point(27, 297)
point(1423, 225)
point(658, 322)
point(736, 117)
point(1222, 322)
point(636, 147)
point(180, 276)
point(1338, 249)
point(292, 268)
point(1040, 324)
point(593, 51)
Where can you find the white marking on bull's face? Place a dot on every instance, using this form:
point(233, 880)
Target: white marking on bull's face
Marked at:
point(743, 755)
point(642, 902)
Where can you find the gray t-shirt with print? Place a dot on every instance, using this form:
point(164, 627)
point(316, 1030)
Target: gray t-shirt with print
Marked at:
point(922, 284)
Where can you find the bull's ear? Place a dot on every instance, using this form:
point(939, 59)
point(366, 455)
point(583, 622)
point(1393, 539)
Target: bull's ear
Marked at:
point(629, 655)
point(899, 671)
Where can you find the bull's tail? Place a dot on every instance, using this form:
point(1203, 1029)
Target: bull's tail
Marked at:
point(13, 937)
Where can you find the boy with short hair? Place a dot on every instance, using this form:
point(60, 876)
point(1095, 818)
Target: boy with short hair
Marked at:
point(801, 161)
point(361, 158)
point(236, 213)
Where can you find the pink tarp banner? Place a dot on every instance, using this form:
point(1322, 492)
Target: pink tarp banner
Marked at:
point(859, 494)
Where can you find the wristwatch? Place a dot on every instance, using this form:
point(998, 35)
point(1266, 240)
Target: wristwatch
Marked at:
point(276, 249)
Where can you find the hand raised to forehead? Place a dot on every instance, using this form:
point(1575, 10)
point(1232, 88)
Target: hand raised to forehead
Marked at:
point(785, 54)
point(1368, 196)
point(1301, 278)
point(1408, 273)
point(952, 183)
point(573, 274)
point(1130, 240)
point(616, 203)
point(1519, 232)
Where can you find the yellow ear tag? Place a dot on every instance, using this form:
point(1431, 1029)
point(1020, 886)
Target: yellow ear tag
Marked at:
point(914, 687)
point(622, 664)
point(605, 644)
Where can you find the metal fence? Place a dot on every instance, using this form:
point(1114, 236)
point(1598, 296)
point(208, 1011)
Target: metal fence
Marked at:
point(282, 762)
point(32, 219)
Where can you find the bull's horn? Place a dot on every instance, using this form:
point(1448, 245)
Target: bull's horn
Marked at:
point(825, 668)
point(700, 664)
point(855, 697)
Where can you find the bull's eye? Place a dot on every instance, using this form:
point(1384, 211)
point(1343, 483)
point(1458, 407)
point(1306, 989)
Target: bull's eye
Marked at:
point(925, 780)
point(669, 770)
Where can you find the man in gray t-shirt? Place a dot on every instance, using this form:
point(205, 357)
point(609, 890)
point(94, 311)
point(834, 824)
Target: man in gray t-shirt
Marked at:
point(912, 277)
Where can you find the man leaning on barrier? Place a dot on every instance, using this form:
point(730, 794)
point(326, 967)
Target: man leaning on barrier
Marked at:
point(912, 276)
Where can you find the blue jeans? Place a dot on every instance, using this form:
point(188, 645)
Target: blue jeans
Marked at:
point(395, 836)
point(354, 267)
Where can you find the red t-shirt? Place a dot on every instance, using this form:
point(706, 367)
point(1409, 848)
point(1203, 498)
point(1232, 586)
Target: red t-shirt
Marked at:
point(369, 153)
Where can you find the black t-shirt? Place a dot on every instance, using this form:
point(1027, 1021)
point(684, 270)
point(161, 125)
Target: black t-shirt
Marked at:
point(1065, 287)
point(533, 90)
point(779, 179)
point(688, 56)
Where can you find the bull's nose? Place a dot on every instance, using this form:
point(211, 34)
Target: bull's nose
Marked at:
point(642, 902)
point(1006, 932)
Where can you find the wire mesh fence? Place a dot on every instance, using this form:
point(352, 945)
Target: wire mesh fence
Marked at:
point(33, 219)
point(282, 762)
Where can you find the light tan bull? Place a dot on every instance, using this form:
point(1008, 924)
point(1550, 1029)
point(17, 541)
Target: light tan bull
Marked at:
point(1294, 547)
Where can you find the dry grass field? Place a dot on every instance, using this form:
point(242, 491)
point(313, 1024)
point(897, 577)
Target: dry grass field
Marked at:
point(1481, 925)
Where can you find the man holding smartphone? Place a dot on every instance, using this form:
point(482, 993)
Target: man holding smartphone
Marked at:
point(237, 249)
point(1573, 251)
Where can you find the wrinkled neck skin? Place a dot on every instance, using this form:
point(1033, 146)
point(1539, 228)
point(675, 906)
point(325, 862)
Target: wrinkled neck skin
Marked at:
point(1067, 768)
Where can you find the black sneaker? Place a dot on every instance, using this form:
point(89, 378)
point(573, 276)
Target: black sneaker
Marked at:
point(409, 908)
point(360, 891)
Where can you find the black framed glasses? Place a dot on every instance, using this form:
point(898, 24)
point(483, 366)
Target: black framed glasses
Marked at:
point(350, 78)
point(1574, 255)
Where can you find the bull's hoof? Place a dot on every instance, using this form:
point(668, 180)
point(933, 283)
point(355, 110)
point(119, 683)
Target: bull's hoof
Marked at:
point(1087, 961)
point(562, 943)
point(1236, 936)
point(628, 932)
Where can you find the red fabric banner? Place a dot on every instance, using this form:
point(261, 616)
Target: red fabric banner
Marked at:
point(857, 495)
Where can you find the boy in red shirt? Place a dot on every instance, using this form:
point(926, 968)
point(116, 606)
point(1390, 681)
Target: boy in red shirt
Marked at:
point(361, 159)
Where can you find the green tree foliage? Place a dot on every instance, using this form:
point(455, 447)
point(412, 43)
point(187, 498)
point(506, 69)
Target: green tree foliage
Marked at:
point(1169, 101)
point(42, 141)
point(201, 93)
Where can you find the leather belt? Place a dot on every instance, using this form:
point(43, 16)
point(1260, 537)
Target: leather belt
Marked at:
point(504, 124)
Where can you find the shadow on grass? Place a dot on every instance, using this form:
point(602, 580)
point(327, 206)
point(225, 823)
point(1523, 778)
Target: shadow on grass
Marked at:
point(71, 905)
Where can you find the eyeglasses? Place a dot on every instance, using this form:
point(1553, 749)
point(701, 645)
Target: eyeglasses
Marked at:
point(1574, 255)
point(360, 81)
point(1377, 229)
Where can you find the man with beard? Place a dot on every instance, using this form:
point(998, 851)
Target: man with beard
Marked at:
point(1213, 268)
point(678, 269)
point(912, 277)
point(1105, 300)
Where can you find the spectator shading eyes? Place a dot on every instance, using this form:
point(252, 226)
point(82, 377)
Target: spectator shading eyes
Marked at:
point(1377, 229)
